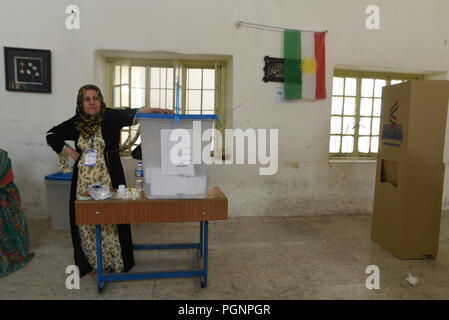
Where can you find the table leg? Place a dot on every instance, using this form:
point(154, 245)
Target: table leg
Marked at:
point(201, 238)
point(100, 283)
point(206, 235)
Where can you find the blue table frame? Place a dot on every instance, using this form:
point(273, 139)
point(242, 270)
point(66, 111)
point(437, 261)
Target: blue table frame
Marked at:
point(141, 210)
point(202, 251)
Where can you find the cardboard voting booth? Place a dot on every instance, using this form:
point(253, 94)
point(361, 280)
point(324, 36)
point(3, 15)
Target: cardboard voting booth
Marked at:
point(410, 168)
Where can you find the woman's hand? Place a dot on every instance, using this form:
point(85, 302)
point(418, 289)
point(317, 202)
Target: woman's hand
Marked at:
point(156, 110)
point(72, 153)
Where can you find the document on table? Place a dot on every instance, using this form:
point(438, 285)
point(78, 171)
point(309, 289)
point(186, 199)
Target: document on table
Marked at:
point(182, 150)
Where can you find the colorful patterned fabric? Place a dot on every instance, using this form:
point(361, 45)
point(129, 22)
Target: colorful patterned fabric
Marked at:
point(14, 242)
point(9, 177)
point(5, 163)
point(84, 123)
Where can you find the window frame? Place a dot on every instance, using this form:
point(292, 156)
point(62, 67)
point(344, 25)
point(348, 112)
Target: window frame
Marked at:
point(179, 66)
point(359, 75)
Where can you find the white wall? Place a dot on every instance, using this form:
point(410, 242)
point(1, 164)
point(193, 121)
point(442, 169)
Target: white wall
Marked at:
point(411, 38)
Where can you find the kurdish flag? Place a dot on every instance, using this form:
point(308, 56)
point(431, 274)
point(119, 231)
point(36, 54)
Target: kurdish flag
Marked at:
point(304, 65)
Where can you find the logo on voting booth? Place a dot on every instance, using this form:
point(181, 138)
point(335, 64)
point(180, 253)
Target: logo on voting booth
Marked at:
point(392, 131)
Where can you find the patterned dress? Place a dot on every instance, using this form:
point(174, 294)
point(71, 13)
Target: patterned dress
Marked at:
point(114, 120)
point(110, 244)
point(14, 242)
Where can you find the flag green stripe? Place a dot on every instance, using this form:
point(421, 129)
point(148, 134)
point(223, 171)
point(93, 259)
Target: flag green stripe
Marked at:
point(292, 63)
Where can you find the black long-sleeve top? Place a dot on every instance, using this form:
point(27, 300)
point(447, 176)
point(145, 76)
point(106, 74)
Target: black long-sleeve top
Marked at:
point(114, 120)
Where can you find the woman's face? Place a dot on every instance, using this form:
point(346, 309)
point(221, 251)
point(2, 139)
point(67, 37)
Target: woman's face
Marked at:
point(91, 103)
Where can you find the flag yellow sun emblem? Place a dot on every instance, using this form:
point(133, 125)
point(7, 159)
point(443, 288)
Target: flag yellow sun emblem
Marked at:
point(309, 65)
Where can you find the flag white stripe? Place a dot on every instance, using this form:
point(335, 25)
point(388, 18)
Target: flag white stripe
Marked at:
point(308, 78)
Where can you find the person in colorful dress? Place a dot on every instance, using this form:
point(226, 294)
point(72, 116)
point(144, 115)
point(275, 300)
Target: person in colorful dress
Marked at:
point(95, 130)
point(14, 241)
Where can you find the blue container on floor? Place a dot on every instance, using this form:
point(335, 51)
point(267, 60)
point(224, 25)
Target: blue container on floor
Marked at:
point(58, 195)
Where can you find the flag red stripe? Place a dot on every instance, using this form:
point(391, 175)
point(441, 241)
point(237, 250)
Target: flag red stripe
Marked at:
point(396, 103)
point(321, 65)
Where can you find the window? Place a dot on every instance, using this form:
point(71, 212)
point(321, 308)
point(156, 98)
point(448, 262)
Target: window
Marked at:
point(200, 91)
point(162, 88)
point(356, 110)
point(142, 83)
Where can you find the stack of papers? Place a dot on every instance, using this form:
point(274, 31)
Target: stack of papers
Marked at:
point(180, 150)
point(176, 185)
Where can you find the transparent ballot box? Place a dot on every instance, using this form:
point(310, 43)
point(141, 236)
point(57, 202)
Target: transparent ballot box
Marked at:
point(172, 148)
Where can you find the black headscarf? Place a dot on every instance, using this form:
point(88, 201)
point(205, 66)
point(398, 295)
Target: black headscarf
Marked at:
point(84, 123)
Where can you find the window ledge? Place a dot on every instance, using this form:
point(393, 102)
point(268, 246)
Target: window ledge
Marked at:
point(352, 160)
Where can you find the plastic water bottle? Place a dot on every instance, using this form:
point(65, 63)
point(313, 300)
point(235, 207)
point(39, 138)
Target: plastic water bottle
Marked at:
point(139, 176)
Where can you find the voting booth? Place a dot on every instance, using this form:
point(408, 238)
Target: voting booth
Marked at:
point(410, 168)
point(172, 154)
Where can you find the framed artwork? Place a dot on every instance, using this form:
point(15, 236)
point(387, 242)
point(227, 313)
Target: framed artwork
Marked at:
point(274, 69)
point(27, 70)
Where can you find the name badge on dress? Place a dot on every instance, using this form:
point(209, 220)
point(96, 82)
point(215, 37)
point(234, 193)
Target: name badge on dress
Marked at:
point(91, 158)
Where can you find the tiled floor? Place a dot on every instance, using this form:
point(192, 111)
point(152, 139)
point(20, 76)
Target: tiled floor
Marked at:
point(319, 257)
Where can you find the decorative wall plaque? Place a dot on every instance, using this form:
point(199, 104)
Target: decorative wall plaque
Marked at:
point(274, 69)
point(27, 70)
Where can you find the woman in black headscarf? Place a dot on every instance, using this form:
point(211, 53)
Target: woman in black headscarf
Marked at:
point(95, 130)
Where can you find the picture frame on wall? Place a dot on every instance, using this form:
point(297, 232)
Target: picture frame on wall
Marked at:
point(274, 69)
point(27, 70)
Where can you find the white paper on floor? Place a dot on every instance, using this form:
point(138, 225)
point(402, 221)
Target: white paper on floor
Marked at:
point(413, 281)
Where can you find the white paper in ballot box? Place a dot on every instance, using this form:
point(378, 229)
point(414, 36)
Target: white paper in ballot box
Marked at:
point(176, 179)
point(173, 185)
point(182, 150)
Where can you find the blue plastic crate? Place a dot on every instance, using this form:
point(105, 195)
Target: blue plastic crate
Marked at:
point(59, 176)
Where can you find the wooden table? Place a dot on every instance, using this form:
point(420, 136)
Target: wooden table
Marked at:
point(142, 210)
